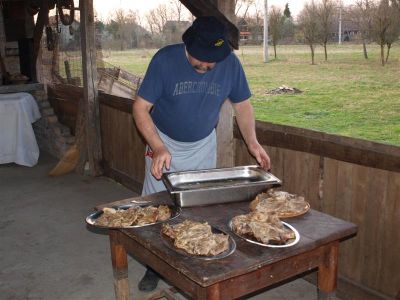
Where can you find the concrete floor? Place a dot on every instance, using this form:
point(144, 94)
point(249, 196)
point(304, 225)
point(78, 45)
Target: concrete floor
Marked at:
point(46, 249)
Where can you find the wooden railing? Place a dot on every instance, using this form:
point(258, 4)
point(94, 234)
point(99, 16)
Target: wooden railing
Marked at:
point(122, 146)
point(351, 179)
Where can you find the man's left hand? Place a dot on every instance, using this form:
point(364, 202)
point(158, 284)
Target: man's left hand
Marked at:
point(260, 155)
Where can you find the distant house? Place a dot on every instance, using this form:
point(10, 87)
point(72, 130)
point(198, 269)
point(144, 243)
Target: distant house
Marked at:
point(350, 29)
point(173, 30)
point(244, 33)
point(249, 33)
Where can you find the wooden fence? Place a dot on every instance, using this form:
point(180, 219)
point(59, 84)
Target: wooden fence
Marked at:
point(351, 179)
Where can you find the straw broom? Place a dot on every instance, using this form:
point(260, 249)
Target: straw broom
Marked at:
point(73, 158)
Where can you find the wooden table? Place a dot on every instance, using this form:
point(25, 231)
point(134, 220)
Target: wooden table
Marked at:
point(249, 269)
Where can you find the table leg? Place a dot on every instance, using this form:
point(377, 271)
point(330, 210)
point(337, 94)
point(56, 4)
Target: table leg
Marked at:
point(327, 272)
point(209, 293)
point(120, 266)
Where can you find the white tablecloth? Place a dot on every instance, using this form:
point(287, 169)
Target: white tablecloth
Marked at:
point(17, 140)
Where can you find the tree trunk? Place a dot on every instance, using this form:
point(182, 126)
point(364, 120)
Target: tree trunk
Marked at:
point(383, 54)
point(312, 54)
point(365, 49)
point(326, 52)
point(275, 50)
point(389, 45)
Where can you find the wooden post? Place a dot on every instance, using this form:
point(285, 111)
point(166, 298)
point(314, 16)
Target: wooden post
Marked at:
point(120, 267)
point(327, 272)
point(225, 146)
point(68, 71)
point(41, 21)
point(90, 92)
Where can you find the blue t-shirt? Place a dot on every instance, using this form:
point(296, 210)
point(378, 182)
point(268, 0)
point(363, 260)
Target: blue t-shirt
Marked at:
point(187, 103)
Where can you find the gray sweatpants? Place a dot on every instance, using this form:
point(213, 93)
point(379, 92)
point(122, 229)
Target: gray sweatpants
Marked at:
point(186, 156)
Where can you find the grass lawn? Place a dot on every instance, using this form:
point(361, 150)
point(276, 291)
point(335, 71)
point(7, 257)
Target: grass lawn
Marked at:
point(347, 95)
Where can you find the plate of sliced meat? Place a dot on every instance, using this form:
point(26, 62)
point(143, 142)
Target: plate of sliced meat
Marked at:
point(132, 215)
point(197, 239)
point(284, 204)
point(264, 229)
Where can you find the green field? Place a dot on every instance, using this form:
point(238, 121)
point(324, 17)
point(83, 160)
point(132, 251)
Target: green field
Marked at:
point(347, 95)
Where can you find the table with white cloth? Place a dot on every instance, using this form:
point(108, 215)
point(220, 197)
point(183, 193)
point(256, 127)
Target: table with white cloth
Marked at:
point(17, 140)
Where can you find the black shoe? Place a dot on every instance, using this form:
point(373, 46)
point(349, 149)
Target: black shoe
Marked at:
point(149, 281)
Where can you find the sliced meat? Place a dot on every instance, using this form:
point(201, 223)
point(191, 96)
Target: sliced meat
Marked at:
point(196, 238)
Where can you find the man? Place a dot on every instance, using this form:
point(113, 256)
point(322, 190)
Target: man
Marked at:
point(178, 105)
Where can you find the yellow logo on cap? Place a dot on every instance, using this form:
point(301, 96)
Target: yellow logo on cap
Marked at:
point(219, 42)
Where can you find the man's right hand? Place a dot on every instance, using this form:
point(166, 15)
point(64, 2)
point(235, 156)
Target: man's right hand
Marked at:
point(161, 159)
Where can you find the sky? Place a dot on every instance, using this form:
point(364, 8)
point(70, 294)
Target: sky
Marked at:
point(104, 7)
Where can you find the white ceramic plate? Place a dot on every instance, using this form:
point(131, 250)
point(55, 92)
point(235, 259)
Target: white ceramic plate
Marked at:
point(254, 241)
point(91, 219)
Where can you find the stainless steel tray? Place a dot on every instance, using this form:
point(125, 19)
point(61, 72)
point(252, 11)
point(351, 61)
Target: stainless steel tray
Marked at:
point(215, 186)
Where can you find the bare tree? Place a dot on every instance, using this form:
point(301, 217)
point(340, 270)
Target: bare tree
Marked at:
point(242, 7)
point(157, 17)
point(381, 22)
point(126, 24)
point(177, 9)
point(361, 14)
point(393, 32)
point(276, 20)
point(308, 25)
point(325, 11)
point(120, 19)
point(258, 14)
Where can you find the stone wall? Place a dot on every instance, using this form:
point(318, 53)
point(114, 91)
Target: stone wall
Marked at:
point(52, 136)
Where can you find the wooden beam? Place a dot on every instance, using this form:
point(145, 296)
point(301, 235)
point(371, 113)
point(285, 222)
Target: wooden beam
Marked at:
point(90, 93)
point(42, 20)
point(225, 145)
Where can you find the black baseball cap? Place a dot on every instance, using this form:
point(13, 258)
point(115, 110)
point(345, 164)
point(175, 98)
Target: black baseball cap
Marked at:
point(206, 40)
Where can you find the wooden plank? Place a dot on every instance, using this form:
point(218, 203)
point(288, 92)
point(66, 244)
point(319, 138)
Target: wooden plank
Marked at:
point(374, 226)
point(344, 187)
point(225, 149)
point(329, 186)
point(277, 161)
point(225, 143)
point(354, 250)
point(301, 175)
point(90, 92)
point(357, 151)
point(390, 218)
point(242, 156)
point(123, 147)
